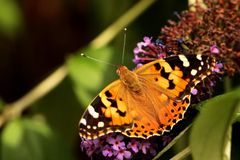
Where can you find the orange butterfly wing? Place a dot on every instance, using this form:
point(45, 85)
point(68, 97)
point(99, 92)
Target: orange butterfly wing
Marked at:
point(166, 86)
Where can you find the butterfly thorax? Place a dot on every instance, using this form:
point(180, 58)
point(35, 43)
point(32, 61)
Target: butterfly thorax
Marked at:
point(129, 79)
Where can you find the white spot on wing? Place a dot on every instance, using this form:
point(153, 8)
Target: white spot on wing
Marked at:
point(83, 121)
point(193, 72)
point(199, 57)
point(88, 126)
point(202, 63)
point(94, 127)
point(92, 112)
point(100, 124)
point(199, 68)
point(184, 60)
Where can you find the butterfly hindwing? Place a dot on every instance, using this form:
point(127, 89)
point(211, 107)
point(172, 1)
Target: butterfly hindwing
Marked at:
point(177, 75)
point(169, 84)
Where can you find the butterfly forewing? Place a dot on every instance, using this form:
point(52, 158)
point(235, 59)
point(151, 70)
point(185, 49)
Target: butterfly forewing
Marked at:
point(107, 113)
point(164, 96)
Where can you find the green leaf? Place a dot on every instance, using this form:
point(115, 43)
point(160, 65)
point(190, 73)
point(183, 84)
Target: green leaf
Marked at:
point(10, 16)
point(1, 104)
point(210, 130)
point(27, 139)
point(90, 76)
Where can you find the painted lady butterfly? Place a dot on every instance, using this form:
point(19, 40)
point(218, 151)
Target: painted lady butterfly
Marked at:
point(147, 101)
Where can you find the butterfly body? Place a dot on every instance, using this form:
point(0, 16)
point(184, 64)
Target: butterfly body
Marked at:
point(129, 78)
point(147, 101)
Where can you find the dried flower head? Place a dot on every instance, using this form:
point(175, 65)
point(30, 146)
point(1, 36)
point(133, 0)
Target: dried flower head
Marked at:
point(211, 30)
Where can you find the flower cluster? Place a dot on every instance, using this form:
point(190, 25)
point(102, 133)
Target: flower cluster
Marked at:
point(148, 51)
point(119, 147)
point(214, 29)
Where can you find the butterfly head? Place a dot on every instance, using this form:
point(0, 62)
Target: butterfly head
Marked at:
point(121, 69)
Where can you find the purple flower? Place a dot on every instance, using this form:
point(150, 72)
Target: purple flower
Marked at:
point(194, 91)
point(162, 55)
point(122, 153)
point(153, 151)
point(217, 67)
point(88, 145)
point(141, 45)
point(147, 40)
point(134, 145)
point(107, 151)
point(166, 140)
point(144, 146)
point(214, 49)
point(116, 143)
point(139, 65)
point(148, 51)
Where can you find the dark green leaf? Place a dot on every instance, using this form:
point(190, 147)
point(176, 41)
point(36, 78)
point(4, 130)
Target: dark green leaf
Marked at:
point(26, 139)
point(209, 133)
point(1, 104)
point(10, 16)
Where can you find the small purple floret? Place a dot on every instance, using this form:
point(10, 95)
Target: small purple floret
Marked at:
point(134, 145)
point(117, 142)
point(214, 49)
point(107, 151)
point(122, 153)
point(194, 91)
point(145, 146)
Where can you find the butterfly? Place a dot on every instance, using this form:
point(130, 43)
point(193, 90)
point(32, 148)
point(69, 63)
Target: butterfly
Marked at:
point(147, 101)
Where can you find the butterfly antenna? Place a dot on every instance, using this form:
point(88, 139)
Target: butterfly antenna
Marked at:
point(124, 43)
point(97, 60)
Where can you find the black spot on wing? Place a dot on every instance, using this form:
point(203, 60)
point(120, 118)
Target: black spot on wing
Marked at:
point(157, 66)
point(128, 132)
point(187, 100)
point(171, 84)
point(164, 74)
point(144, 135)
point(113, 102)
point(135, 125)
point(168, 127)
point(174, 104)
point(97, 103)
point(108, 94)
point(81, 125)
point(174, 61)
point(122, 114)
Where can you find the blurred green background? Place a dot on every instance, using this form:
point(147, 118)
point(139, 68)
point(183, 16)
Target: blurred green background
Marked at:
point(36, 37)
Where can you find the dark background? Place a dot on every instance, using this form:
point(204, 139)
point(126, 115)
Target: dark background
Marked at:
point(46, 32)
